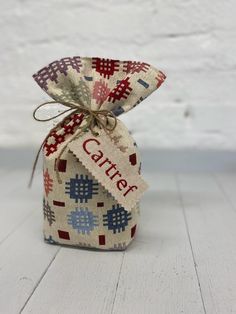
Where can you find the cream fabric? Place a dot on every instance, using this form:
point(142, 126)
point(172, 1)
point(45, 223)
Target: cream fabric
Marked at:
point(79, 211)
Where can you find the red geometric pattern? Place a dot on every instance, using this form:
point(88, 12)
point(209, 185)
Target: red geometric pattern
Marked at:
point(106, 67)
point(61, 165)
point(48, 182)
point(58, 203)
point(122, 90)
point(135, 66)
point(100, 92)
point(133, 230)
point(160, 78)
point(57, 137)
point(133, 159)
point(95, 83)
point(102, 239)
point(63, 234)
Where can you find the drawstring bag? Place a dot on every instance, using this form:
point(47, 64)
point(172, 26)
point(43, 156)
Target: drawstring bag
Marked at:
point(91, 165)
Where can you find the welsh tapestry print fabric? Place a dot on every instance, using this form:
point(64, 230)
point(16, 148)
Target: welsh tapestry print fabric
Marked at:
point(79, 210)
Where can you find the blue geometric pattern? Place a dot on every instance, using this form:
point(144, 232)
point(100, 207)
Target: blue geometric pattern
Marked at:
point(81, 189)
point(118, 111)
point(82, 220)
point(119, 246)
point(50, 240)
point(116, 218)
point(142, 82)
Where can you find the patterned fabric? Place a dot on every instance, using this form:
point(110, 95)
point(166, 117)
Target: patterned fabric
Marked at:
point(79, 211)
point(82, 220)
point(116, 218)
point(100, 83)
point(81, 189)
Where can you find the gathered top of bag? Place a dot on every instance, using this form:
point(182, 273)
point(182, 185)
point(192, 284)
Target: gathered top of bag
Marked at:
point(98, 83)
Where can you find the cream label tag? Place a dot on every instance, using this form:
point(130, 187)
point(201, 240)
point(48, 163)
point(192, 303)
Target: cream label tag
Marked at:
point(110, 167)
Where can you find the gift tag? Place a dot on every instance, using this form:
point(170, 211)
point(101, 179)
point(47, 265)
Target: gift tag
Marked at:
point(109, 166)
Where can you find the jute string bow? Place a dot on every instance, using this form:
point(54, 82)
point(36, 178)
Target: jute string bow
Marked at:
point(93, 118)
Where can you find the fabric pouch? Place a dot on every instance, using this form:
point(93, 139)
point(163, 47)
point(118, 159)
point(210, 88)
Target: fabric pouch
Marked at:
point(92, 180)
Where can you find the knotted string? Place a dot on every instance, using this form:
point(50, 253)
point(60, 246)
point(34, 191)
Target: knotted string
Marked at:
point(93, 118)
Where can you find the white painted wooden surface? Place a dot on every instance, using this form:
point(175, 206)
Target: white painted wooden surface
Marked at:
point(182, 261)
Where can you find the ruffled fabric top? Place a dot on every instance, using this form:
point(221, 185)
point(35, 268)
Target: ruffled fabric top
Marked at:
point(99, 83)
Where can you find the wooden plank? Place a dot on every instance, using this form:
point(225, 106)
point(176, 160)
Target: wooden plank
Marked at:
point(24, 257)
point(211, 225)
point(5, 188)
point(158, 274)
point(10, 179)
point(227, 184)
point(79, 281)
point(17, 201)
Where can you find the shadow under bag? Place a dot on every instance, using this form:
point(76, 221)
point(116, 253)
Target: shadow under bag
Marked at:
point(88, 198)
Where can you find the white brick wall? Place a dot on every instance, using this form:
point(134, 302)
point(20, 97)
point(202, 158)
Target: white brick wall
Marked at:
point(193, 41)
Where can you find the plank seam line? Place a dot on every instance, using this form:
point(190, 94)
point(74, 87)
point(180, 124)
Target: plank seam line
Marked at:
point(227, 198)
point(39, 281)
point(189, 239)
point(117, 284)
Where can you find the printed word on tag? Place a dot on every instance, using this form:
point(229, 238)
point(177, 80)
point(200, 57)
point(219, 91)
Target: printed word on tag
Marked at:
point(110, 167)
